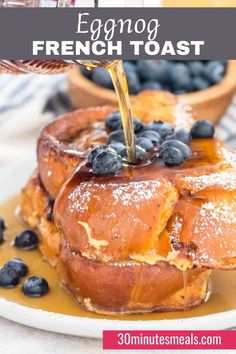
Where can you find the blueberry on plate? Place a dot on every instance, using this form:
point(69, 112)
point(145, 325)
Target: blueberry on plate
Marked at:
point(27, 240)
point(117, 146)
point(35, 287)
point(151, 135)
point(185, 150)
point(17, 265)
point(162, 128)
point(145, 143)
point(202, 129)
point(141, 153)
point(106, 162)
point(102, 78)
point(151, 85)
point(117, 135)
point(172, 157)
point(9, 278)
point(157, 70)
point(138, 125)
point(133, 82)
point(95, 151)
point(113, 121)
point(180, 135)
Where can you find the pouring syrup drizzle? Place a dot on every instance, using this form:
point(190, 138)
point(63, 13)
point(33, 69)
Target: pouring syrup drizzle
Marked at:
point(116, 71)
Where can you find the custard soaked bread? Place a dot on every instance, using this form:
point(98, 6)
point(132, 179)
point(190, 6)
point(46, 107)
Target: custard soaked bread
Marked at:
point(135, 232)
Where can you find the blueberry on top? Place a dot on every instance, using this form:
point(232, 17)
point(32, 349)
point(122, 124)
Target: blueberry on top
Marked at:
point(172, 157)
point(9, 278)
point(202, 129)
point(106, 162)
point(113, 121)
point(87, 73)
point(151, 135)
point(181, 135)
point(27, 240)
point(145, 143)
point(18, 265)
point(141, 153)
point(138, 125)
point(117, 146)
point(162, 128)
point(117, 135)
point(95, 151)
point(35, 287)
point(185, 150)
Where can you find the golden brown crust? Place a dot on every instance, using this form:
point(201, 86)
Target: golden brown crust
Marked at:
point(130, 287)
point(36, 211)
point(61, 146)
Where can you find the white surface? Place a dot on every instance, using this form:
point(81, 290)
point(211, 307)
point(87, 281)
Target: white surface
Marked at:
point(13, 177)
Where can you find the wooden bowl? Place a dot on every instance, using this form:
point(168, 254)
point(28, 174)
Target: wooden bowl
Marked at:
point(210, 103)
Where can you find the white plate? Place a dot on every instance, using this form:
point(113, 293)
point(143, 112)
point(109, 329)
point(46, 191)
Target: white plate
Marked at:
point(11, 180)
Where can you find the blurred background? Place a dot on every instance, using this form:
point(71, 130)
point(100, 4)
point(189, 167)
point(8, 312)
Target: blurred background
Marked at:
point(28, 102)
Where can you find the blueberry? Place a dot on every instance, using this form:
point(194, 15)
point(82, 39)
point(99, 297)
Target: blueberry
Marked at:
point(172, 157)
point(117, 146)
point(200, 83)
point(106, 162)
point(133, 81)
point(17, 265)
point(162, 128)
point(153, 70)
point(2, 224)
point(95, 151)
point(180, 77)
point(87, 73)
point(138, 125)
point(117, 135)
point(113, 121)
point(141, 153)
point(202, 129)
point(214, 71)
point(27, 240)
point(129, 67)
point(8, 277)
point(151, 85)
point(1, 236)
point(185, 150)
point(151, 135)
point(196, 68)
point(35, 287)
point(145, 143)
point(180, 135)
point(102, 78)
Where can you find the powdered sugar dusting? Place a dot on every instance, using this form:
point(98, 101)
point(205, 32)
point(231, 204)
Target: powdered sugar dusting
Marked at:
point(224, 180)
point(126, 194)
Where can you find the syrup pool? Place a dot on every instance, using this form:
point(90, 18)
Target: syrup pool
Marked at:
point(223, 296)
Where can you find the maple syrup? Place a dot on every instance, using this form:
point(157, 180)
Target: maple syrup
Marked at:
point(118, 77)
point(59, 301)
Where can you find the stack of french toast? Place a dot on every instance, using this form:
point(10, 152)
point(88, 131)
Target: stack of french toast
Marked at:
point(141, 241)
